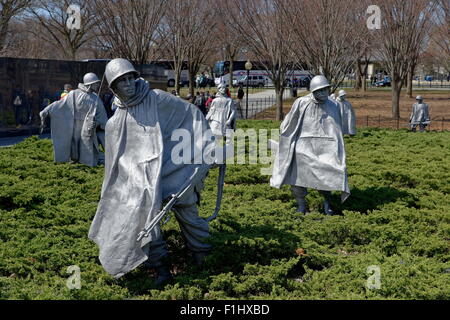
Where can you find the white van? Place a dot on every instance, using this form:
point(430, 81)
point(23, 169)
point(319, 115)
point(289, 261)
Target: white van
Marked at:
point(253, 81)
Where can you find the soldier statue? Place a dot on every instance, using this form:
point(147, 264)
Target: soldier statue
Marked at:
point(222, 114)
point(311, 151)
point(347, 114)
point(140, 174)
point(420, 115)
point(76, 123)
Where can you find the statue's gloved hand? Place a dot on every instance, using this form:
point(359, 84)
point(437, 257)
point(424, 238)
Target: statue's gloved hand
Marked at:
point(41, 127)
point(91, 128)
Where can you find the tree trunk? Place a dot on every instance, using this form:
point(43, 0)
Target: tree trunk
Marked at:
point(177, 80)
point(364, 82)
point(4, 23)
point(231, 71)
point(364, 74)
point(358, 75)
point(191, 82)
point(279, 89)
point(409, 82)
point(396, 90)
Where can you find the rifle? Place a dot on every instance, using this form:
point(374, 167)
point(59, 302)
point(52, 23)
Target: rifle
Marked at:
point(198, 174)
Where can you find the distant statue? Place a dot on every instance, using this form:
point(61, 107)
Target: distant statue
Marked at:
point(420, 115)
point(74, 122)
point(311, 152)
point(347, 114)
point(222, 113)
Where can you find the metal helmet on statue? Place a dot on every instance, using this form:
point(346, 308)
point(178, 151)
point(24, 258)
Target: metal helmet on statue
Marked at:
point(318, 82)
point(342, 93)
point(117, 68)
point(90, 78)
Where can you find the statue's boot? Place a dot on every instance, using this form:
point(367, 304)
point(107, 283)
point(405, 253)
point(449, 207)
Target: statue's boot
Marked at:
point(326, 203)
point(299, 195)
point(163, 275)
point(199, 258)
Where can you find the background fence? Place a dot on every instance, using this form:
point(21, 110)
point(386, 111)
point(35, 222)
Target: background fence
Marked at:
point(436, 124)
point(265, 109)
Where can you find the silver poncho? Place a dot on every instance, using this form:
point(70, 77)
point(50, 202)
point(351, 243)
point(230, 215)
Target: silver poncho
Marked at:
point(222, 115)
point(419, 114)
point(74, 120)
point(311, 151)
point(348, 116)
point(139, 172)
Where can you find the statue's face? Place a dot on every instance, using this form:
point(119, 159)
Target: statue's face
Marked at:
point(95, 86)
point(223, 89)
point(125, 86)
point(321, 95)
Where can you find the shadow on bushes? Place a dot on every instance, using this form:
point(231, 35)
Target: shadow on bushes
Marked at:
point(232, 250)
point(364, 200)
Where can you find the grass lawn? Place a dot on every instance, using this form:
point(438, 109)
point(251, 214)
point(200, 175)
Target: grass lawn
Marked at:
point(397, 219)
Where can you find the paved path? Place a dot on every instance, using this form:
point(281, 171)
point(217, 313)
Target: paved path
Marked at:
point(260, 101)
point(10, 141)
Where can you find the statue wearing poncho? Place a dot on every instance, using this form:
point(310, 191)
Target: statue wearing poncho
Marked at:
point(140, 174)
point(347, 114)
point(419, 115)
point(222, 114)
point(311, 151)
point(74, 123)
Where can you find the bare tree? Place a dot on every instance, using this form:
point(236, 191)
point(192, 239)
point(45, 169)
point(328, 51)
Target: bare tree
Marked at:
point(22, 44)
point(440, 39)
point(362, 66)
point(266, 34)
point(404, 30)
point(171, 38)
point(327, 35)
point(8, 10)
point(127, 28)
point(52, 16)
point(185, 36)
point(230, 42)
point(200, 24)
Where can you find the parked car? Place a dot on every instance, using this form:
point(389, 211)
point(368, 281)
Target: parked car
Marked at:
point(386, 82)
point(253, 81)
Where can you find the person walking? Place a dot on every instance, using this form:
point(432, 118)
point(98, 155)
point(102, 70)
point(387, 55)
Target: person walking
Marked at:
point(240, 97)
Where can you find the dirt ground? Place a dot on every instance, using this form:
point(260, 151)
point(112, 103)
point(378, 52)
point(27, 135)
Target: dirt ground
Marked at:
point(373, 108)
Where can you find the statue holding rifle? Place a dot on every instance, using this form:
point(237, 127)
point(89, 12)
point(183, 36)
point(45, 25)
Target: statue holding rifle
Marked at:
point(141, 175)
